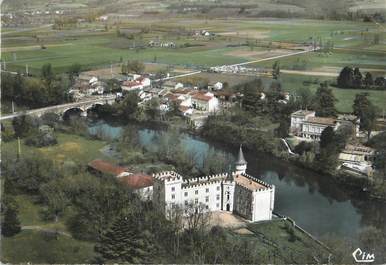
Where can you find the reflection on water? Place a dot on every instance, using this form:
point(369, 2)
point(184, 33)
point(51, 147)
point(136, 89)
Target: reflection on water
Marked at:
point(315, 202)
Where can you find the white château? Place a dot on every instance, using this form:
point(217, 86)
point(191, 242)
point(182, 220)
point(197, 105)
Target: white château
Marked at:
point(235, 192)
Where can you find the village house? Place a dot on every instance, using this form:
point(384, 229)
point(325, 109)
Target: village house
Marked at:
point(205, 101)
point(306, 125)
point(140, 183)
point(136, 84)
point(215, 86)
point(170, 85)
point(236, 192)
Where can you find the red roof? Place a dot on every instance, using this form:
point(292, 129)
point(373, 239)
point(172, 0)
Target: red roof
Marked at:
point(106, 167)
point(183, 108)
point(131, 83)
point(137, 180)
point(200, 96)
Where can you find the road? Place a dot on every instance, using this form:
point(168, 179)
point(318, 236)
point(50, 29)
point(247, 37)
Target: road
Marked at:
point(241, 64)
point(274, 57)
point(69, 105)
point(56, 107)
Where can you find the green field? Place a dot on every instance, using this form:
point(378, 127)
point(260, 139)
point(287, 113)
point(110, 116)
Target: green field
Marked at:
point(69, 147)
point(96, 48)
point(40, 247)
point(345, 97)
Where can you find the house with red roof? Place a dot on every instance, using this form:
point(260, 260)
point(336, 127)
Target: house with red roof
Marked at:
point(140, 183)
point(205, 101)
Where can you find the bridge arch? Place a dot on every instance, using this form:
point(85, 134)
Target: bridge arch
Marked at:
point(73, 111)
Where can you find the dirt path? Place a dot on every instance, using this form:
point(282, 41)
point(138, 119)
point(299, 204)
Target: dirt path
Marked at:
point(42, 229)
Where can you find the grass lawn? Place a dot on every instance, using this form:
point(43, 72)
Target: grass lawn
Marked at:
point(38, 247)
point(69, 147)
point(345, 96)
point(275, 236)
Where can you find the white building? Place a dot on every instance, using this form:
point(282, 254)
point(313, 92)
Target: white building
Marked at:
point(205, 102)
point(138, 84)
point(304, 124)
point(235, 192)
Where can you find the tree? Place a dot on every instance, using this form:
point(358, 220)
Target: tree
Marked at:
point(304, 97)
point(22, 125)
point(276, 70)
point(136, 67)
point(327, 137)
point(97, 203)
point(74, 70)
point(251, 96)
point(346, 77)
point(124, 69)
point(28, 173)
point(325, 101)
point(10, 224)
point(328, 156)
point(54, 195)
point(127, 242)
point(357, 82)
point(128, 108)
point(153, 108)
point(47, 73)
point(368, 81)
point(366, 112)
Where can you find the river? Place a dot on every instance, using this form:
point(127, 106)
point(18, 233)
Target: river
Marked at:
point(314, 201)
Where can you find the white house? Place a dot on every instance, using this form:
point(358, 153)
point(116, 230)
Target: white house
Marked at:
point(235, 192)
point(137, 84)
point(216, 86)
point(305, 124)
point(205, 101)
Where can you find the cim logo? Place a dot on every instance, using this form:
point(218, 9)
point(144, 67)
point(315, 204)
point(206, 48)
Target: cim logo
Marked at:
point(361, 256)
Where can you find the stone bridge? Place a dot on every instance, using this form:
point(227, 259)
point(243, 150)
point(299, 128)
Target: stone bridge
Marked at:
point(83, 106)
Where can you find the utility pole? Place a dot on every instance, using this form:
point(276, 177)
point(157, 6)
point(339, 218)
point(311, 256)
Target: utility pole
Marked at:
point(13, 107)
point(26, 69)
point(18, 148)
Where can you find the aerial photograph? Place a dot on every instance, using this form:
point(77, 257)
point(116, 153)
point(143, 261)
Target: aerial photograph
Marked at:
point(193, 132)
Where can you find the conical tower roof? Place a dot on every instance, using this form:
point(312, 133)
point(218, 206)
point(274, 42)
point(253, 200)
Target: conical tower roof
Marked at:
point(240, 159)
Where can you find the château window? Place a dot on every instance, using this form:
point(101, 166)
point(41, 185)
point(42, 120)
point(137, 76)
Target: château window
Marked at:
point(218, 187)
point(196, 201)
point(173, 196)
point(207, 198)
point(186, 203)
point(207, 190)
point(173, 188)
point(217, 205)
point(196, 192)
point(218, 197)
point(186, 194)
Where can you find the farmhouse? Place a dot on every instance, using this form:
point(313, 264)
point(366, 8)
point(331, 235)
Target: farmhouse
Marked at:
point(235, 192)
point(140, 183)
point(99, 167)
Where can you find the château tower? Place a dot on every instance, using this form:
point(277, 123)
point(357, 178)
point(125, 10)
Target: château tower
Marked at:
point(241, 164)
